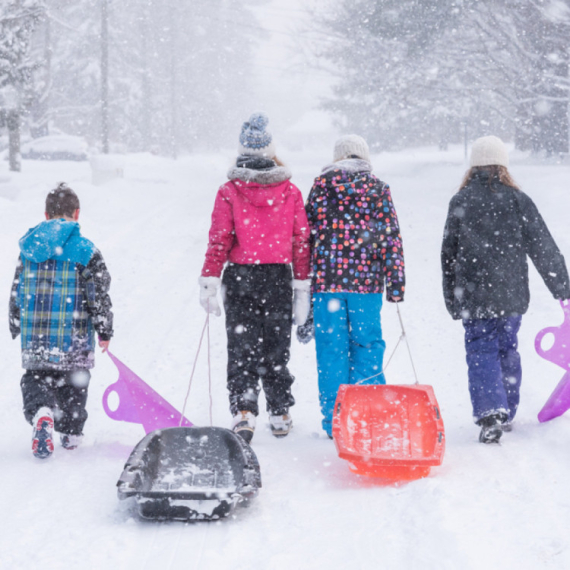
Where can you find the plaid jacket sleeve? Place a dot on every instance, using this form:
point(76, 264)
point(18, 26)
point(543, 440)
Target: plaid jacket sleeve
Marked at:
point(14, 313)
point(97, 283)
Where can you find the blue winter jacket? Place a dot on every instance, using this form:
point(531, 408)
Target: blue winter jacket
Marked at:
point(59, 297)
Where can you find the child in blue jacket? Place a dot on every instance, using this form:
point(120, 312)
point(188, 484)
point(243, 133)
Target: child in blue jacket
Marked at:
point(356, 251)
point(59, 299)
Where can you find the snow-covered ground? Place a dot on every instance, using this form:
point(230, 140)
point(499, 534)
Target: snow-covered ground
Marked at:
point(504, 506)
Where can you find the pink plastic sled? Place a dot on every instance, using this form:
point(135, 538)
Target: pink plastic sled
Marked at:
point(558, 354)
point(139, 403)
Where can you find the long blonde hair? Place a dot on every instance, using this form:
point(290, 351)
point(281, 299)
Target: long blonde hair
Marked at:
point(495, 171)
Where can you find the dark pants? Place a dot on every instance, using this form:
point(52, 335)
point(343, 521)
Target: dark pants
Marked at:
point(494, 365)
point(258, 301)
point(63, 392)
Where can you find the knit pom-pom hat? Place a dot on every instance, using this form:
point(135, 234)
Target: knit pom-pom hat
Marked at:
point(351, 145)
point(488, 151)
point(254, 138)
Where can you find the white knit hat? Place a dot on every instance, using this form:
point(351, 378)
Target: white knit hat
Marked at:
point(349, 145)
point(488, 151)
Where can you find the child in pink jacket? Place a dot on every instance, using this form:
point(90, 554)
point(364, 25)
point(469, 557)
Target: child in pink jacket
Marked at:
point(260, 229)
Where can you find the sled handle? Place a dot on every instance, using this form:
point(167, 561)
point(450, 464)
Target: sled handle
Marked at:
point(123, 412)
point(559, 352)
point(111, 413)
point(538, 341)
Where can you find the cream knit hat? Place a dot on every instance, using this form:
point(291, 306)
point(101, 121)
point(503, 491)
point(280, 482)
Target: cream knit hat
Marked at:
point(488, 151)
point(349, 145)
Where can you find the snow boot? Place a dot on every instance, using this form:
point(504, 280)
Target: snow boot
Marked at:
point(42, 436)
point(70, 441)
point(243, 424)
point(491, 428)
point(280, 425)
point(507, 426)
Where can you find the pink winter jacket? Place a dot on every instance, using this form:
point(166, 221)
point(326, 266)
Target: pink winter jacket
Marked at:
point(255, 222)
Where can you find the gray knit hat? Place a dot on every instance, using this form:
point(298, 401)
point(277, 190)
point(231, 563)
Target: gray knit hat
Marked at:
point(254, 138)
point(488, 151)
point(351, 145)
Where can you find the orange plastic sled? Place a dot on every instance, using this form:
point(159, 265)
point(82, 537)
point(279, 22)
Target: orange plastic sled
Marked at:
point(394, 432)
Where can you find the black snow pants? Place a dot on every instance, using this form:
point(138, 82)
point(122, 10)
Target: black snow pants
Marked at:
point(64, 392)
point(258, 300)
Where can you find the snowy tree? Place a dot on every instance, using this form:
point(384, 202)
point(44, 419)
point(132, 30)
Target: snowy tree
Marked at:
point(396, 81)
point(18, 21)
point(517, 63)
point(422, 70)
point(196, 62)
point(542, 30)
point(75, 68)
point(176, 71)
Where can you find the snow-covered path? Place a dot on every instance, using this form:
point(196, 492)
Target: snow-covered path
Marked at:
point(486, 506)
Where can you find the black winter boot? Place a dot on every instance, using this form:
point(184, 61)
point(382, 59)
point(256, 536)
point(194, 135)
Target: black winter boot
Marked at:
point(491, 428)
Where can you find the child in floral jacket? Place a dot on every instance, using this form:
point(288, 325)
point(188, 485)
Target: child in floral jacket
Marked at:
point(356, 250)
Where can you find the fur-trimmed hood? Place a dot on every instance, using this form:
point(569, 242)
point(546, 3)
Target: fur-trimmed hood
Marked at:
point(352, 165)
point(274, 175)
point(259, 217)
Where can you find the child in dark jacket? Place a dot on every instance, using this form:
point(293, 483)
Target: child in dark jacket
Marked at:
point(59, 298)
point(356, 248)
point(260, 227)
point(490, 230)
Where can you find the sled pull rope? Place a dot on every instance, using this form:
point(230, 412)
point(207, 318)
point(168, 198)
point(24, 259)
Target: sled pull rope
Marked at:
point(402, 336)
point(206, 327)
point(209, 364)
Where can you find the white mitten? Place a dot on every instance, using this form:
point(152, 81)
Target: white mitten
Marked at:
point(209, 287)
point(301, 300)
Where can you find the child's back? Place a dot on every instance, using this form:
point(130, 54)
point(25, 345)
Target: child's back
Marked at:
point(59, 299)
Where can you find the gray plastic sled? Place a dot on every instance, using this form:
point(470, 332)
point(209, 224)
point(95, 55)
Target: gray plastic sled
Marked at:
point(190, 473)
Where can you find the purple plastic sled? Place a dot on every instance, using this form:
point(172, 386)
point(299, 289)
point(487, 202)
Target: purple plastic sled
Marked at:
point(559, 353)
point(139, 403)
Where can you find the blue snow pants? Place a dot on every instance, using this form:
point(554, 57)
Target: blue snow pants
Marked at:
point(494, 365)
point(348, 335)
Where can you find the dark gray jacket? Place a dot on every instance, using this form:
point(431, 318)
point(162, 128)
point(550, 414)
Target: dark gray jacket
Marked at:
point(490, 230)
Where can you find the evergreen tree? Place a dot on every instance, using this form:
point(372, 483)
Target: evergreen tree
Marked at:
point(18, 21)
point(177, 71)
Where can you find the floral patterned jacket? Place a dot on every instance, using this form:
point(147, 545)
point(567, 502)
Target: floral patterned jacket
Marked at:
point(355, 237)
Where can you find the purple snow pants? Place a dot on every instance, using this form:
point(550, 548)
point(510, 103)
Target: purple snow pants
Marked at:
point(494, 365)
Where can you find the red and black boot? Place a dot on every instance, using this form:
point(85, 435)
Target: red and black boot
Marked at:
point(42, 436)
